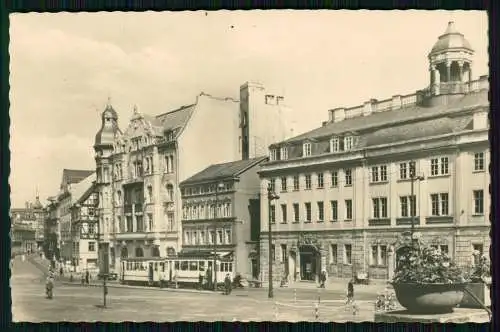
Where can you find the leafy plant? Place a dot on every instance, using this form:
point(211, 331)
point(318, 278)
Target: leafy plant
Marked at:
point(421, 264)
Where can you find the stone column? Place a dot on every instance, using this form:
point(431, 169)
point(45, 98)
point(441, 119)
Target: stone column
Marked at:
point(461, 70)
point(390, 262)
point(448, 71)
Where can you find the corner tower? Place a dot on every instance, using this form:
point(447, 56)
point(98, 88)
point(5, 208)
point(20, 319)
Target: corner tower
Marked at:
point(450, 63)
point(103, 147)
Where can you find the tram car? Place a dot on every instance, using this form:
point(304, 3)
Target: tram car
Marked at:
point(179, 271)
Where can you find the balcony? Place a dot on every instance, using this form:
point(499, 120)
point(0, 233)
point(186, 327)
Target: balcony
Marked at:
point(433, 220)
point(407, 221)
point(138, 207)
point(379, 222)
point(127, 208)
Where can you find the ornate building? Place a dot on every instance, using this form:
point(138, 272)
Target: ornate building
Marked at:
point(349, 188)
point(139, 170)
point(31, 216)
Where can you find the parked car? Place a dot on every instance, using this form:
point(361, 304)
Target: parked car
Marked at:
point(111, 276)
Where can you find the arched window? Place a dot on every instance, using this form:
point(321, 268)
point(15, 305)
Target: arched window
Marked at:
point(118, 197)
point(139, 252)
point(124, 253)
point(150, 194)
point(170, 192)
point(155, 252)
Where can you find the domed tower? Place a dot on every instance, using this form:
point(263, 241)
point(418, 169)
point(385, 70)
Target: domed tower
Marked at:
point(450, 63)
point(103, 148)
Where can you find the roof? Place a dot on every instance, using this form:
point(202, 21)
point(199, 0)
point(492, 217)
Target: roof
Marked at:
point(80, 189)
point(392, 117)
point(74, 175)
point(451, 39)
point(225, 170)
point(175, 119)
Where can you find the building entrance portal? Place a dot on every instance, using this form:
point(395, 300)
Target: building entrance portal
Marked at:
point(309, 263)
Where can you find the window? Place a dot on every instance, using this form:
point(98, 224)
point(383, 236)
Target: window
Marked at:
point(478, 201)
point(335, 210)
point(272, 214)
point(308, 181)
point(479, 161)
point(333, 254)
point(379, 207)
point(335, 179)
point(348, 209)
point(406, 170)
point(284, 153)
point(170, 192)
point(272, 184)
point(439, 166)
point(320, 180)
point(170, 222)
point(296, 182)
point(378, 255)
point(379, 173)
point(273, 252)
point(284, 256)
point(150, 194)
point(347, 254)
point(212, 237)
point(219, 237)
point(441, 247)
point(91, 246)
point(334, 144)
point(348, 143)
point(283, 184)
point(283, 214)
point(307, 149)
point(273, 155)
point(229, 239)
point(321, 212)
point(348, 177)
point(439, 204)
point(150, 222)
point(308, 211)
point(405, 203)
point(296, 212)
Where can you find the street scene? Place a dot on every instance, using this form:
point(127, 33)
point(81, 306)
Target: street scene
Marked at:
point(240, 172)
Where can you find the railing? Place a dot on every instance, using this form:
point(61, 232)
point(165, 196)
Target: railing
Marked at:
point(138, 207)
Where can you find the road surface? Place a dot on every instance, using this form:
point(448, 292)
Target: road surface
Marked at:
point(82, 303)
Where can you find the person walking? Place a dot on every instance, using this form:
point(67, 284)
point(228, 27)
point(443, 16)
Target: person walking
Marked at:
point(350, 292)
point(87, 277)
point(227, 284)
point(209, 278)
point(322, 279)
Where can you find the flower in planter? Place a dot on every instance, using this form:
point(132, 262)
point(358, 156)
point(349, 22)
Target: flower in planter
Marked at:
point(481, 272)
point(422, 264)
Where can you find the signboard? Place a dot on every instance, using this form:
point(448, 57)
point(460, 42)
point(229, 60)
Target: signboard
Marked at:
point(104, 258)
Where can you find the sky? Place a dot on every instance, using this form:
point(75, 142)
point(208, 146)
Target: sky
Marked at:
point(65, 66)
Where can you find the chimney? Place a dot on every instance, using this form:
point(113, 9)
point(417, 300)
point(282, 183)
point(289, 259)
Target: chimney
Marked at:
point(336, 114)
point(369, 107)
point(396, 102)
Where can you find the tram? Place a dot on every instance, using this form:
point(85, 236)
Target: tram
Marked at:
point(183, 271)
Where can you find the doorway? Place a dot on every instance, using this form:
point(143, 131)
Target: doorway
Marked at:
point(309, 263)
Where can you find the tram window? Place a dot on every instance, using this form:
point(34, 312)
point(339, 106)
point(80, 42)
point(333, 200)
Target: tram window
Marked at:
point(136, 266)
point(156, 266)
point(230, 267)
point(184, 265)
point(193, 266)
point(201, 265)
point(177, 265)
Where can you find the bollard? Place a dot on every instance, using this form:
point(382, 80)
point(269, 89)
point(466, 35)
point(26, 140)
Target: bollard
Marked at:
point(295, 295)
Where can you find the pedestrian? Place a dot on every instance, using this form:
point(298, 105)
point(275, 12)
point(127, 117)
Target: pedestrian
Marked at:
point(227, 284)
point(350, 292)
point(83, 279)
point(61, 271)
point(200, 281)
point(209, 278)
point(322, 279)
point(87, 277)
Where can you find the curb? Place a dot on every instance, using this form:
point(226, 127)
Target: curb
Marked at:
point(178, 290)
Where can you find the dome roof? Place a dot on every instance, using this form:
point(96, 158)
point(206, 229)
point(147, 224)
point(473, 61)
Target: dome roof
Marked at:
point(110, 111)
point(106, 135)
point(451, 39)
point(37, 204)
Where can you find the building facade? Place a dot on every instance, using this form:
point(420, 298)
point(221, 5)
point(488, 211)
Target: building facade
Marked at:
point(140, 169)
point(84, 225)
point(220, 213)
point(33, 215)
point(22, 238)
point(346, 188)
point(52, 233)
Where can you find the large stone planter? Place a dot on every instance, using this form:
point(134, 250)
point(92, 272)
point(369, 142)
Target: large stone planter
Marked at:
point(429, 298)
point(481, 291)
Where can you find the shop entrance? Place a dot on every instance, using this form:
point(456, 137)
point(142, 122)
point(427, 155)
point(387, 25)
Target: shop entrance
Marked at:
point(309, 263)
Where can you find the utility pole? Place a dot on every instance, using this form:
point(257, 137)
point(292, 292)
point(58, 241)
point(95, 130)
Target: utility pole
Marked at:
point(271, 195)
point(413, 201)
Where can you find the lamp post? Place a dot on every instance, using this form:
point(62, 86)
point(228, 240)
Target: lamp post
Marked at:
point(413, 178)
point(220, 186)
point(271, 195)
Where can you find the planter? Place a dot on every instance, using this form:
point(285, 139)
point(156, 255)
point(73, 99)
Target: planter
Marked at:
point(481, 291)
point(429, 298)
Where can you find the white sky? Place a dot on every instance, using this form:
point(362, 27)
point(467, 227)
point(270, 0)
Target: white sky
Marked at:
point(64, 66)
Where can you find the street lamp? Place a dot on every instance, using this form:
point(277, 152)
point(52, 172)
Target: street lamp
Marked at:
point(219, 186)
point(413, 178)
point(271, 195)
